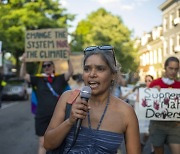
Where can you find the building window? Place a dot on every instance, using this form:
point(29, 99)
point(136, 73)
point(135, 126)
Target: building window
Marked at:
point(165, 48)
point(171, 20)
point(151, 57)
point(155, 56)
point(165, 25)
point(159, 55)
point(177, 44)
point(171, 45)
point(147, 58)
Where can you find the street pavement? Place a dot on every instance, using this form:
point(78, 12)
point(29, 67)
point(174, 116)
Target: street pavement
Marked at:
point(17, 135)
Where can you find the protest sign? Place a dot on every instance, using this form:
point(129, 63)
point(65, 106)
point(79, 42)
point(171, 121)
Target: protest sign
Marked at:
point(159, 105)
point(143, 122)
point(131, 97)
point(46, 44)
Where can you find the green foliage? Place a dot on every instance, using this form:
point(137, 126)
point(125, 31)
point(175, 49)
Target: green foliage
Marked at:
point(17, 16)
point(103, 28)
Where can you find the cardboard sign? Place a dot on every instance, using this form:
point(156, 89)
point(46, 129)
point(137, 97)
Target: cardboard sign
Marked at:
point(159, 105)
point(46, 44)
point(143, 122)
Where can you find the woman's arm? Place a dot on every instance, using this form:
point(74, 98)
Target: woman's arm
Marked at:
point(23, 73)
point(132, 137)
point(58, 128)
point(70, 71)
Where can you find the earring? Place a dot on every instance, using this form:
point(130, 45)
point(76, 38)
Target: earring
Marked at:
point(112, 83)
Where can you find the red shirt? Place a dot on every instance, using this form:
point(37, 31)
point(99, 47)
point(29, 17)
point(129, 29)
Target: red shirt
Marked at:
point(159, 82)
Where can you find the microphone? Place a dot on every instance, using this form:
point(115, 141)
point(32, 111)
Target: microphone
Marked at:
point(85, 94)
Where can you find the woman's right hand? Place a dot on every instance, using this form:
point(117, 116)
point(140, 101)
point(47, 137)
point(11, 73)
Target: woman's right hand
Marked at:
point(79, 110)
point(157, 87)
point(23, 57)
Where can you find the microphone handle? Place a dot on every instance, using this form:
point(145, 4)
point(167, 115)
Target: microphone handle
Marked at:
point(78, 124)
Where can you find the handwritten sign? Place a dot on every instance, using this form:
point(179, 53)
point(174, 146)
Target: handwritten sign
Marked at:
point(143, 122)
point(46, 44)
point(159, 105)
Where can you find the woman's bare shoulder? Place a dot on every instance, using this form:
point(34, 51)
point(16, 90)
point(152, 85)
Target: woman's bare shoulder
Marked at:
point(123, 112)
point(69, 96)
point(121, 102)
point(61, 104)
point(64, 97)
point(66, 93)
point(122, 106)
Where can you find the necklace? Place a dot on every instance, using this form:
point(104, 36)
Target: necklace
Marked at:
point(102, 117)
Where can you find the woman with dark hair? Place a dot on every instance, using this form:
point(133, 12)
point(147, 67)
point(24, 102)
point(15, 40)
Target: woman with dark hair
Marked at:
point(49, 87)
point(106, 120)
point(148, 79)
point(168, 132)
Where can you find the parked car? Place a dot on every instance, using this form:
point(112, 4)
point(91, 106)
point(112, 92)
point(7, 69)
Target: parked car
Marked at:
point(15, 89)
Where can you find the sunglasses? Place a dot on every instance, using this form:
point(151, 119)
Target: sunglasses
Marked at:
point(46, 65)
point(103, 48)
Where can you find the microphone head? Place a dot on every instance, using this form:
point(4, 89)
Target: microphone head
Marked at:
point(85, 92)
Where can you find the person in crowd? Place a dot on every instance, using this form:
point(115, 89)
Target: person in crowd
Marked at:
point(79, 83)
point(49, 88)
point(162, 132)
point(107, 120)
point(117, 88)
point(148, 79)
point(144, 124)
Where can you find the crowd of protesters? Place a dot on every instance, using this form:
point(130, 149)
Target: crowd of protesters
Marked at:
point(100, 70)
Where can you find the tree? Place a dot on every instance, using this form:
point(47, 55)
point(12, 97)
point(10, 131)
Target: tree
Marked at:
point(17, 16)
point(103, 28)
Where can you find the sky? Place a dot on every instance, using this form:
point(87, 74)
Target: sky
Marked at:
point(138, 15)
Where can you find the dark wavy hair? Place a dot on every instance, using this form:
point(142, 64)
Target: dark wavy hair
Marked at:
point(148, 75)
point(170, 59)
